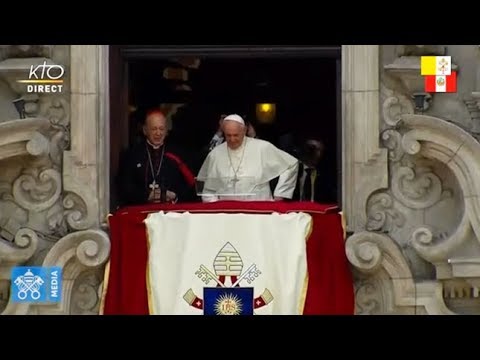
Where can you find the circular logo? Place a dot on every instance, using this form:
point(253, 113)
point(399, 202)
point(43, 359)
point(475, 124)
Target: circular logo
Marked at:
point(228, 305)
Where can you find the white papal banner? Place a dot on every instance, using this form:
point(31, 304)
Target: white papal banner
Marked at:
point(227, 264)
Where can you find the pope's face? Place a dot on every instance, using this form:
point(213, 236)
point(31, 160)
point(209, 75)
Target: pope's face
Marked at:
point(155, 129)
point(234, 133)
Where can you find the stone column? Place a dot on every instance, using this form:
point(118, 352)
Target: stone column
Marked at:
point(85, 166)
point(364, 162)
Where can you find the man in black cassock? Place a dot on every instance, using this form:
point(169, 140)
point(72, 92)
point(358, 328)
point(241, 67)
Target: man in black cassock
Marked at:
point(152, 172)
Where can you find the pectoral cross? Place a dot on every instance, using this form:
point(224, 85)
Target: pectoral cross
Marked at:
point(153, 185)
point(234, 181)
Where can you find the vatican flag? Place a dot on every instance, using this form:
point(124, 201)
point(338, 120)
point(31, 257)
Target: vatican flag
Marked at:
point(227, 264)
point(436, 65)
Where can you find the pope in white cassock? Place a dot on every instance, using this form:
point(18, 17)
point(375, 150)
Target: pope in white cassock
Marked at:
point(242, 167)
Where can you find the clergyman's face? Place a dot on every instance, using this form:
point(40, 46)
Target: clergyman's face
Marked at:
point(234, 133)
point(155, 129)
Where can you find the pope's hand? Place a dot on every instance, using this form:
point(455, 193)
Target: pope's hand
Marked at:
point(278, 198)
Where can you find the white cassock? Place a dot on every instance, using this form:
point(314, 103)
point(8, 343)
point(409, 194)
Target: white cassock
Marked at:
point(245, 173)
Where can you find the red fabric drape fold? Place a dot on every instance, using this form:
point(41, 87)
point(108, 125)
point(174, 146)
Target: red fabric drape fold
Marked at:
point(184, 169)
point(330, 287)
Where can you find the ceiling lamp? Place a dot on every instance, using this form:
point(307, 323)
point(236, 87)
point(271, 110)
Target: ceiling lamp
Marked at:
point(265, 112)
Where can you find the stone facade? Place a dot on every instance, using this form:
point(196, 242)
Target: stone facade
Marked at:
point(411, 178)
point(49, 212)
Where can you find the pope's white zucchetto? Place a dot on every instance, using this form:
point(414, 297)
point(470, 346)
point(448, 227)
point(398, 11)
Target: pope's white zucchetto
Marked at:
point(236, 118)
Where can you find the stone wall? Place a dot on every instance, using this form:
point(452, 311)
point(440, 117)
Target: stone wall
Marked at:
point(46, 218)
point(415, 244)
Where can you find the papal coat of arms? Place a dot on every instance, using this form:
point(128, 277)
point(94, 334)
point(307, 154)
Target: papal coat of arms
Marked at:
point(443, 66)
point(227, 297)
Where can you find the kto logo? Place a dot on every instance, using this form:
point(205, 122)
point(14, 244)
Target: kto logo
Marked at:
point(36, 284)
point(44, 78)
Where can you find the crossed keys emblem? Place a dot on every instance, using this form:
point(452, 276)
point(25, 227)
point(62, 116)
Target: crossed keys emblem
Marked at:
point(442, 66)
point(228, 265)
point(28, 282)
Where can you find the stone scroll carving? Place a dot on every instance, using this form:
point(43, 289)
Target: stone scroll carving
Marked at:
point(37, 189)
point(417, 187)
point(86, 293)
point(414, 183)
point(56, 110)
point(382, 213)
point(44, 198)
point(385, 284)
point(445, 142)
point(394, 105)
point(23, 137)
point(22, 248)
point(76, 253)
point(82, 256)
point(371, 253)
point(33, 217)
point(441, 212)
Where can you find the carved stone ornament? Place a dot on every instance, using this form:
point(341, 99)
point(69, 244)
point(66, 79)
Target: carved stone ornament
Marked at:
point(81, 255)
point(25, 137)
point(394, 105)
point(417, 187)
point(392, 141)
point(382, 213)
point(389, 287)
point(48, 195)
point(445, 142)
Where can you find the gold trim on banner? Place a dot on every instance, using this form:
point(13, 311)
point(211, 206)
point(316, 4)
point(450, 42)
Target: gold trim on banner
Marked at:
point(303, 294)
point(106, 276)
point(147, 273)
point(344, 225)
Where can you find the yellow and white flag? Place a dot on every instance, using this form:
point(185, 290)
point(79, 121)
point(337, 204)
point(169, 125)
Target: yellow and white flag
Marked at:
point(436, 65)
point(227, 264)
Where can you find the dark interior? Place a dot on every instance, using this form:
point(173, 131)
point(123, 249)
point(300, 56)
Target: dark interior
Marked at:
point(303, 90)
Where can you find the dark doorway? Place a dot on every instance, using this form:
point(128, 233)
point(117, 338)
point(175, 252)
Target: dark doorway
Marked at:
point(198, 86)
